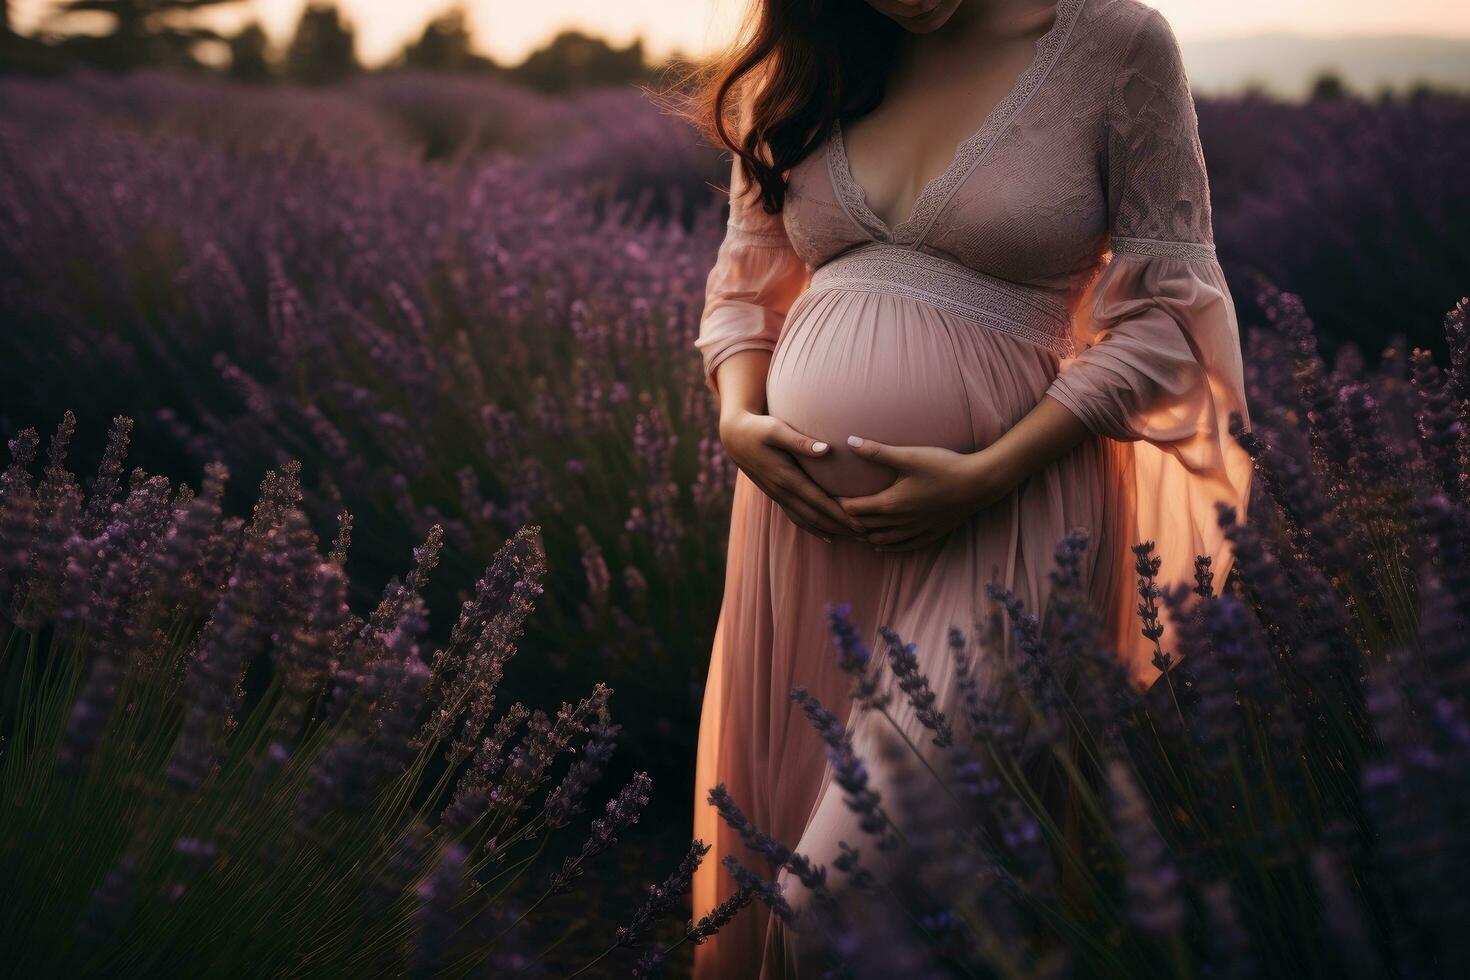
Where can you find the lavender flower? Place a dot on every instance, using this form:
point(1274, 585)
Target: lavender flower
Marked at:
point(719, 916)
point(1155, 904)
point(1231, 945)
point(436, 920)
point(1204, 578)
point(566, 800)
point(848, 770)
point(621, 813)
point(778, 854)
point(18, 512)
point(1146, 567)
point(110, 905)
point(855, 658)
point(1342, 920)
point(767, 891)
point(663, 899)
point(108, 481)
point(904, 662)
point(1034, 668)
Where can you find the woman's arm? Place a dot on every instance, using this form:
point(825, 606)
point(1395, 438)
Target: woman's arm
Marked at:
point(764, 447)
point(741, 382)
point(756, 277)
point(938, 489)
point(1045, 434)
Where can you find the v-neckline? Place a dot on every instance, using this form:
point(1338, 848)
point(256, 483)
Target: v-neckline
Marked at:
point(968, 152)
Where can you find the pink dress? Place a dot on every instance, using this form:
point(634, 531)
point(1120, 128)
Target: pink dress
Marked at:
point(1066, 250)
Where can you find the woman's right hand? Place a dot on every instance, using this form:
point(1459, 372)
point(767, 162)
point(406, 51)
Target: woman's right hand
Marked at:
point(766, 449)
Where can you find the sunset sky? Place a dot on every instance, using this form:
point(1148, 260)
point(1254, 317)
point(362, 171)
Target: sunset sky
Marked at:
point(507, 29)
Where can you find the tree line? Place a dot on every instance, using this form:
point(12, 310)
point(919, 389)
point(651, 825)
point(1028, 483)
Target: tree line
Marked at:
point(322, 48)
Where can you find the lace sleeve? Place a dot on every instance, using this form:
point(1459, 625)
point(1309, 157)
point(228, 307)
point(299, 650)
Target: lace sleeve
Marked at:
point(1158, 190)
point(1159, 362)
point(756, 277)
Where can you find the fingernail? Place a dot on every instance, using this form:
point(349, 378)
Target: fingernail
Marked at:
point(819, 447)
point(855, 442)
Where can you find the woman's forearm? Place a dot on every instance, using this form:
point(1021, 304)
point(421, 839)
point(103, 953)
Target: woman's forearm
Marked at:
point(1044, 434)
point(741, 381)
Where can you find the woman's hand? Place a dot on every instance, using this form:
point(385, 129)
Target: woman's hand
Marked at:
point(936, 491)
point(764, 448)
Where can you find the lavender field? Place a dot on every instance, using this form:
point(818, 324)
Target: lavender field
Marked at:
point(463, 313)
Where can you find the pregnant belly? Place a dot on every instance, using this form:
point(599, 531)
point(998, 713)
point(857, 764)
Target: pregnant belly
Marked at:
point(872, 365)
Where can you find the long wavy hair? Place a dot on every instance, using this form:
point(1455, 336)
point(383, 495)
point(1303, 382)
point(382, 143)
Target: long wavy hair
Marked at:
point(797, 66)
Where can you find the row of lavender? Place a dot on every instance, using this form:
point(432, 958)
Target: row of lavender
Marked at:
point(465, 305)
point(208, 756)
point(1289, 799)
point(210, 765)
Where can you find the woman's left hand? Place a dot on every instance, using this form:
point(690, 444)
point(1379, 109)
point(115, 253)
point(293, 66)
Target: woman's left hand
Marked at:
point(936, 491)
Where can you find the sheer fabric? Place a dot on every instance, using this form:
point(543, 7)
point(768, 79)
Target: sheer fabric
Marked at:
point(1067, 250)
point(750, 288)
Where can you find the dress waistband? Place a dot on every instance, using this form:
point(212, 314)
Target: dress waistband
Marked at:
point(879, 267)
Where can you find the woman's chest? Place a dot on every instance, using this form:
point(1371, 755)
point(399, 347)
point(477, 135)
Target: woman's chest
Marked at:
point(1034, 209)
point(931, 107)
point(1027, 204)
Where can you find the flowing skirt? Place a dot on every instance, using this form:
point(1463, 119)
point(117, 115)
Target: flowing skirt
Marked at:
point(901, 371)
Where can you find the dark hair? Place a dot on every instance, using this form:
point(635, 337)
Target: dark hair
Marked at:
point(798, 66)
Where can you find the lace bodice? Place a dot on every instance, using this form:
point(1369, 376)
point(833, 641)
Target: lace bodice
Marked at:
point(1095, 138)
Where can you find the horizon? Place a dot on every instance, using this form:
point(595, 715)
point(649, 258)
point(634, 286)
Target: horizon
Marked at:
point(673, 27)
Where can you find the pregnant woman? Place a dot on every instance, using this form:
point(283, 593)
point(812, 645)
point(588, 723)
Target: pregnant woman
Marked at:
point(967, 301)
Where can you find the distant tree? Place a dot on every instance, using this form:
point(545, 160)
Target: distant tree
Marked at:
point(1423, 91)
point(249, 61)
point(1328, 86)
point(324, 48)
point(1255, 89)
point(445, 46)
point(144, 32)
point(574, 60)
